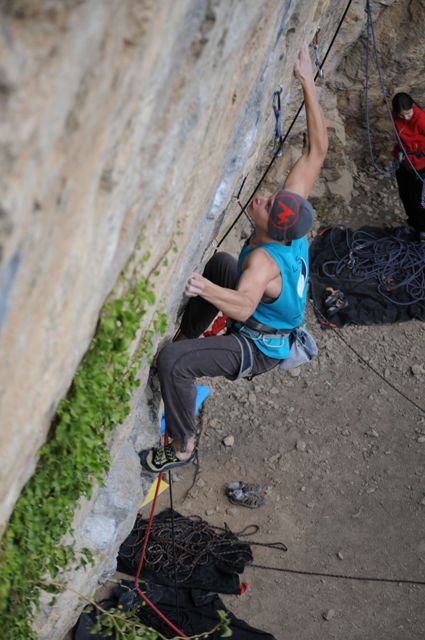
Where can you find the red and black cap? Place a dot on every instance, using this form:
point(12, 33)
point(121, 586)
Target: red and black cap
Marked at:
point(291, 217)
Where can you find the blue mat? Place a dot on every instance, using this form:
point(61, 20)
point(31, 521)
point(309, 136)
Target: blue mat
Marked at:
point(202, 392)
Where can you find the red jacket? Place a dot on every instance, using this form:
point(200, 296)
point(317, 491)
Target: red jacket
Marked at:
point(412, 134)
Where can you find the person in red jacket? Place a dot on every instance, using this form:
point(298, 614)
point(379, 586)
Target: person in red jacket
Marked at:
point(409, 120)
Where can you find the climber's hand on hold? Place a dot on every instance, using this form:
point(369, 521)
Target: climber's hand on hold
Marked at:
point(303, 174)
point(303, 68)
point(195, 285)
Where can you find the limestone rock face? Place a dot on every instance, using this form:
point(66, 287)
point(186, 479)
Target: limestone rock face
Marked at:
point(132, 124)
point(399, 35)
point(114, 116)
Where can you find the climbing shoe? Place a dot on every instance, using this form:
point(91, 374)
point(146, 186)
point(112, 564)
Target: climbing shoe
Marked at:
point(334, 301)
point(250, 500)
point(163, 458)
point(244, 486)
point(245, 494)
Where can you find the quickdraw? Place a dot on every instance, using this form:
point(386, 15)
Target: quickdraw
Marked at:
point(320, 72)
point(217, 243)
point(278, 138)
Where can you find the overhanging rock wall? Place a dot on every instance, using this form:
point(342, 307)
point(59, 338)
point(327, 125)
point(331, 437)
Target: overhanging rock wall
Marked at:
point(119, 121)
point(115, 116)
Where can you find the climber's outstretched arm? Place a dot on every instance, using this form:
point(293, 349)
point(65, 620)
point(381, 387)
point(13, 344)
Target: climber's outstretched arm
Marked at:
point(303, 174)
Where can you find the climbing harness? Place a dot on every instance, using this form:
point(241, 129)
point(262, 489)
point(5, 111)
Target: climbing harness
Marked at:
point(247, 359)
point(282, 140)
point(303, 346)
point(255, 331)
point(371, 42)
point(260, 329)
point(277, 145)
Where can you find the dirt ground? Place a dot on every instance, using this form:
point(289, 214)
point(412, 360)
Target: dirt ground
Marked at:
point(340, 455)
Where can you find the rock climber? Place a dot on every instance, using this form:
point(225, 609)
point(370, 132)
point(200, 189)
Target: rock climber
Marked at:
point(409, 120)
point(264, 293)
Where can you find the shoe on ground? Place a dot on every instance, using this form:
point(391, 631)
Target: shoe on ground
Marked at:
point(421, 236)
point(250, 500)
point(336, 308)
point(162, 458)
point(247, 487)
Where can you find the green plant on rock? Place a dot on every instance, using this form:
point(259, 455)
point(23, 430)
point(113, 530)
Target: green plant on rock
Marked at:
point(160, 322)
point(127, 626)
point(75, 455)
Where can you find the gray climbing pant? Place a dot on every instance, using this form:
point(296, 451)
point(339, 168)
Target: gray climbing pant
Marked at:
point(181, 363)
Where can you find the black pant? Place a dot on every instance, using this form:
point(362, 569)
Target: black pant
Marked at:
point(410, 190)
point(180, 363)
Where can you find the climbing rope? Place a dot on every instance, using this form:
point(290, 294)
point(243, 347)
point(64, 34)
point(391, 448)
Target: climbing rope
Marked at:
point(396, 264)
point(284, 138)
point(324, 321)
point(197, 543)
point(371, 42)
point(237, 198)
point(340, 576)
point(142, 557)
point(147, 533)
point(174, 546)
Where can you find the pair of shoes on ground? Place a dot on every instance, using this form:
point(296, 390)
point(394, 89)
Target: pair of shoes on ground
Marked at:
point(334, 301)
point(245, 494)
point(162, 458)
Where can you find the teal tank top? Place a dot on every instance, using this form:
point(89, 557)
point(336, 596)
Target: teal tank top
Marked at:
point(287, 311)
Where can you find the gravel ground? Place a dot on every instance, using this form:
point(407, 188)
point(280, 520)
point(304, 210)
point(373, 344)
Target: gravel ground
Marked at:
point(340, 455)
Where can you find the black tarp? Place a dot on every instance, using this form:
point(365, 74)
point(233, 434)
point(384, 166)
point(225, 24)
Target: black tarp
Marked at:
point(194, 608)
point(369, 302)
point(210, 558)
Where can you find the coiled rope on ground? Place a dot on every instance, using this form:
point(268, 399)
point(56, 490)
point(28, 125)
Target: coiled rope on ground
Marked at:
point(397, 265)
point(195, 544)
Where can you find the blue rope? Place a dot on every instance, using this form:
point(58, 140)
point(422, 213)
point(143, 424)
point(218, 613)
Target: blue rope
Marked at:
point(396, 264)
